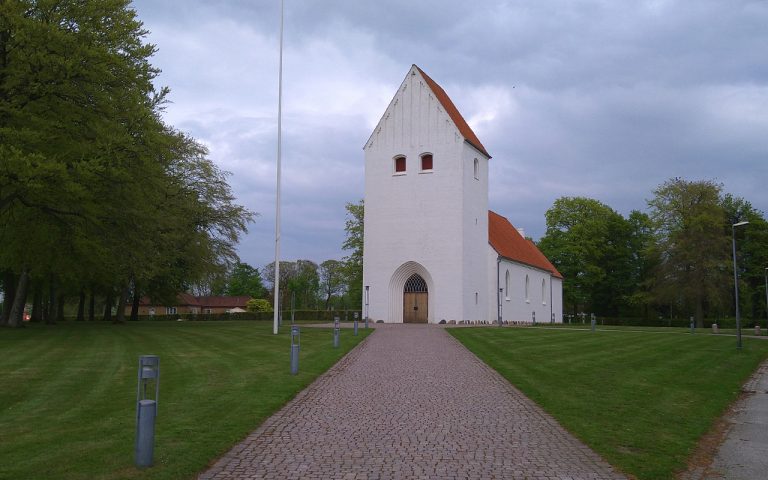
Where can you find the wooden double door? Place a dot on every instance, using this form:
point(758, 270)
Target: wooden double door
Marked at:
point(415, 300)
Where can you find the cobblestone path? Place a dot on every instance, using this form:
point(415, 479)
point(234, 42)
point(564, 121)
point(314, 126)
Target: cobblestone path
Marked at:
point(411, 402)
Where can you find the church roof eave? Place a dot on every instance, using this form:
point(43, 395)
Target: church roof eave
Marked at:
point(507, 242)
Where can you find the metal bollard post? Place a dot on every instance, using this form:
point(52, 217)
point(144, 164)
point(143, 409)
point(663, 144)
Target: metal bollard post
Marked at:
point(594, 322)
point(533, 317)
point(295, 347)
point(146, 409)
point(336, 331)
point(355, 323)
point(692, 326)
point(552, 320)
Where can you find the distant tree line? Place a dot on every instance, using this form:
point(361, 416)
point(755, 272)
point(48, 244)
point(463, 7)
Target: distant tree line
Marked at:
point(674, 260)
point(329, 285)
point(100, 200)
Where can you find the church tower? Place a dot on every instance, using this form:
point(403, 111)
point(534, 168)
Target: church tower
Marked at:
point(426, 211)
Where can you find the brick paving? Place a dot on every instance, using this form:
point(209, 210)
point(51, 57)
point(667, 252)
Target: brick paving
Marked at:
point(411, 402)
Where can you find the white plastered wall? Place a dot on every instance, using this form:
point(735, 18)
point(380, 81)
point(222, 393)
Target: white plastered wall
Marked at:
point(418, 219)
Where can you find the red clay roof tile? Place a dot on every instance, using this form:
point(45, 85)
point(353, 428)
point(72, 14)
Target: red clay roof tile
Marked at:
point(507, 241)
point(453, 112)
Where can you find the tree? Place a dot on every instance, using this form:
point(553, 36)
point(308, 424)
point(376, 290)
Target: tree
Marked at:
point(96, 192)
point(298, 279)
point(244, 280)
point(691, 246)
point(331, 280)
point(258, 305)
point(353, 263)
point(752, 253)
point(589, 243)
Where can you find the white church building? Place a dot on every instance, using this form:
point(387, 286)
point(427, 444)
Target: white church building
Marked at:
point(432, 249)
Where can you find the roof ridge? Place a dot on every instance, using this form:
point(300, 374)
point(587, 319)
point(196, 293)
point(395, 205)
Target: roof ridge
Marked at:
point(453, 112)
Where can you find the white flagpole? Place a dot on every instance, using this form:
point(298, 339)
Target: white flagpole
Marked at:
point(279, 154)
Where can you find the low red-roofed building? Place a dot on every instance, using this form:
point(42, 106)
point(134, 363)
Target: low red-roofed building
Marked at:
point(187, 303)
point(433, 252)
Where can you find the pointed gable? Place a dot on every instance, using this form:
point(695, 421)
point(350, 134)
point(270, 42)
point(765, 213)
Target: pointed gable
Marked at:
point(508, 243)
point(453, 112)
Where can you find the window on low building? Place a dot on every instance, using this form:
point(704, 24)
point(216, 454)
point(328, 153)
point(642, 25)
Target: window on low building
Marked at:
point(506, 286)
point(426, 161)
point(477, 170)
point(400, 164)
point(543, 292)
point(170, 310)
point(527, 284)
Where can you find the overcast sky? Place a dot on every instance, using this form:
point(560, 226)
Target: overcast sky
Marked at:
point(605, 99)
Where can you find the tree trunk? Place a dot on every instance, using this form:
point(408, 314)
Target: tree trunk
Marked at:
point(9, 295)
point(91, 307)
point(124, 293)
point(60, 301)
point(20, 299)
point(50, 317)
point(37, 305)
point(81, 306)
point(108, 306)
point(135, 304)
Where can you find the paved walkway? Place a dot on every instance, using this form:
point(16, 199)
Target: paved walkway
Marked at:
point(744, 453)
point(411, 402)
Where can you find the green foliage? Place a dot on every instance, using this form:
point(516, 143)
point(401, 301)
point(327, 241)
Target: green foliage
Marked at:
point(691, 246)
point(331, 280)
point(299, 280)
point(258, 305)
point(353, 268)
point(245, 280)
point(597, 251)
point(96, 192)
point(641, 400)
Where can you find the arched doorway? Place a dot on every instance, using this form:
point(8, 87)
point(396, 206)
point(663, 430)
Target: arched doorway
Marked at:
point(415, 300)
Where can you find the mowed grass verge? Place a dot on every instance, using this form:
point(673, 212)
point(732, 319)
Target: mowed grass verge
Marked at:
point(68, 393)
point(641, 400)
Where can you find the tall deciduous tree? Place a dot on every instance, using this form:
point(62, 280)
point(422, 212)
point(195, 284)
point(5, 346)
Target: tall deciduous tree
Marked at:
point(331, 280)
point(692, 246)
point(244, 280)
point(590, 244)
point(353, 262)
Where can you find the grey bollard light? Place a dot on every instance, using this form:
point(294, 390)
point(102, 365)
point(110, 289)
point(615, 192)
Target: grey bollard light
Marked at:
point(692, 325)
point(533, 317)
point(355, 324)
point(594, 322)
point(146, 409)
point(336, 331)
point(295, 347)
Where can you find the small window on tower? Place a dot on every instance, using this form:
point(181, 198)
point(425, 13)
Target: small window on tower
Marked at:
point(400, 164)
point(426, 161)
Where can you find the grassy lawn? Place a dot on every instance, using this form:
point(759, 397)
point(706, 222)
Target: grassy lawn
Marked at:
point(68, 393)
point(641, 400)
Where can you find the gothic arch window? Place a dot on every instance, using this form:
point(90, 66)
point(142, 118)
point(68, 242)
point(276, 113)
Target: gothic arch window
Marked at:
point(426, 162)
point(477, 170)
point(527, 285)
point(415, 284)
point(399, 164)
point(506, 286)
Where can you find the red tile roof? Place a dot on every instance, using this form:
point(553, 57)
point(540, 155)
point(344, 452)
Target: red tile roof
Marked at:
point(507, 241)
point(189, 300)
point(223, 302)
point(453, 112)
